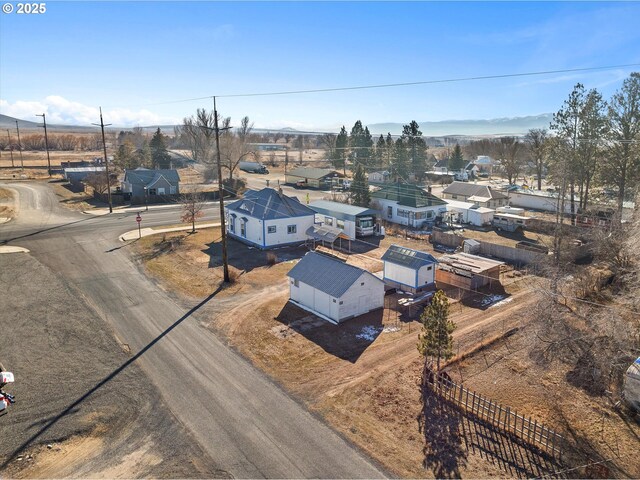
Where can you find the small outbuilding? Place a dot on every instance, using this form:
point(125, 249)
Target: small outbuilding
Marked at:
point(333, 289)
point(468, 213)
point(468, 271)
point(351, 219)
point(409, 270)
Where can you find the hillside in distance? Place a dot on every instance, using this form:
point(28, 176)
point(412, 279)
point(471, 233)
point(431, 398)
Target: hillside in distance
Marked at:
point(497, 126)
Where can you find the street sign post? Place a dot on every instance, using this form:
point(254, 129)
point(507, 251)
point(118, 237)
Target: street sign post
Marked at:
point(139, 220)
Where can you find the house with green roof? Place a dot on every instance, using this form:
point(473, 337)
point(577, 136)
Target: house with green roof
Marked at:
point(408, 204)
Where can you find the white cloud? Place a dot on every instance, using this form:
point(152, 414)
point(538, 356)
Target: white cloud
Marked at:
point(61, 111)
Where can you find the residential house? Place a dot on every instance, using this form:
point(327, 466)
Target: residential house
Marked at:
point(143, 184)
point(409, 270)
point(408, 204)
point(482, 195)
point(351, 219)
point(320, 178)
point(268, 218)
point(485, 163)
point(441, 166)
point(333, 289)
point(379, 177)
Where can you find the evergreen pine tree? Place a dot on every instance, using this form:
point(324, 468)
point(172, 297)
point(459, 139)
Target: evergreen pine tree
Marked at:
point(380, 155)
point(342, 141)
point(160, 157)
point(360, 188)
point(436, 339)
point(456, 162)
point(417, 148)
point(400, 163)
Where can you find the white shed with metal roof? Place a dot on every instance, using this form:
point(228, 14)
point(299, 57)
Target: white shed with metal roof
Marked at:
point(410, 270)
point(333, 289)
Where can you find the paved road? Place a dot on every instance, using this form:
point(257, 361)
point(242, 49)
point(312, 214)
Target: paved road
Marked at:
point(248, 425)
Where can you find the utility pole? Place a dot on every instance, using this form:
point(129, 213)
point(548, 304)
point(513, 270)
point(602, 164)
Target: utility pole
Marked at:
point(106, 161)
point(46, 141)
point(10, 148)
point(20, 147)
point(225, 264)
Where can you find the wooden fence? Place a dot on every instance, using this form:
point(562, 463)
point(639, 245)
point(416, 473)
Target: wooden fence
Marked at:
point(528, 430)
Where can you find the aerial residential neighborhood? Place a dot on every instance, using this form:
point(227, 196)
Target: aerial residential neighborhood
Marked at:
point(235, 245)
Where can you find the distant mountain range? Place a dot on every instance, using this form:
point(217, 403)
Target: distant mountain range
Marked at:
point(497, 126)
point(458, 128)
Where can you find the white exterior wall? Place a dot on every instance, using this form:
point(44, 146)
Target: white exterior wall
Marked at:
point(360, 299)
point(258, 234)
point(407, 276)
point(281, 236)
point(426, 275)
point(384, 204)
point(400, 274)
point(539, 202)
point(357, 300)
point(479, 218)
point(349, 226)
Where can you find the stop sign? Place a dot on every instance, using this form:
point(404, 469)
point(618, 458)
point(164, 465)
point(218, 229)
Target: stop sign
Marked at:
point(138, 218)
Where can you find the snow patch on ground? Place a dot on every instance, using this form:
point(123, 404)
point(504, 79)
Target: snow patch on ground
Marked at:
point(391, 329)
point(495, 300)
point(368, 333)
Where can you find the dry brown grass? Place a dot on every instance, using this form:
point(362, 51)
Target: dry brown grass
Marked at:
point(32, 159)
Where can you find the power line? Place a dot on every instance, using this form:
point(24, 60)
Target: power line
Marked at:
point(399, 84)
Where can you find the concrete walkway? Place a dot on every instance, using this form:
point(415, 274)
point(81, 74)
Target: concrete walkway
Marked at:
point(142, 209)
point(12, 249)
point(145, 232)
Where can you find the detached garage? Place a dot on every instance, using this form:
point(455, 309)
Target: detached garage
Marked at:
point(332, 289)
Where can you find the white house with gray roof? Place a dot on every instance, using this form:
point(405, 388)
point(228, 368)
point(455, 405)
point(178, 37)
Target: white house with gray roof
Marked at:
point(408, 269)
point(268, 219)
point(333, 289)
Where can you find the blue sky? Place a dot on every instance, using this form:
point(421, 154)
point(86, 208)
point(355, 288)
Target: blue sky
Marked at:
point(129, 57)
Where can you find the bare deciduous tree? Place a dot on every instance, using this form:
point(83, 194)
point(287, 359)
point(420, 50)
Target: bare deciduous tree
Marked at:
point(536, 144)
point(193, 204)
point(509, 151)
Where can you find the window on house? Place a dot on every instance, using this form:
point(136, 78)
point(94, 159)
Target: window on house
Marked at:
point(291, 229)
point(340, 224)
point(296, 283)
point(172, 190)
point(328, 221)
point(341, 302)
point(420, 215)
point(271, 229)
point(361, 284)
point(404, 213)
point(152, 191)
point(334, 300)
point(232, 225)
point(429, 214)
point(454, 197)
point(243, 228)
point(389, 212)
point(429, 267)
point(160, 191)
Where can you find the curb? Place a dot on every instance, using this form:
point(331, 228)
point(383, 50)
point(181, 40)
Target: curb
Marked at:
point(145, 232)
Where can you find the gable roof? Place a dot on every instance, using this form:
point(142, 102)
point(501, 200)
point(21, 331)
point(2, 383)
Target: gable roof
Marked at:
point(408, 195)
point(146, 177)
point(314, 173)
point(472, 190)
point(442, 164)
point(268, 204)
point(408, 257)
point(327, 274)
